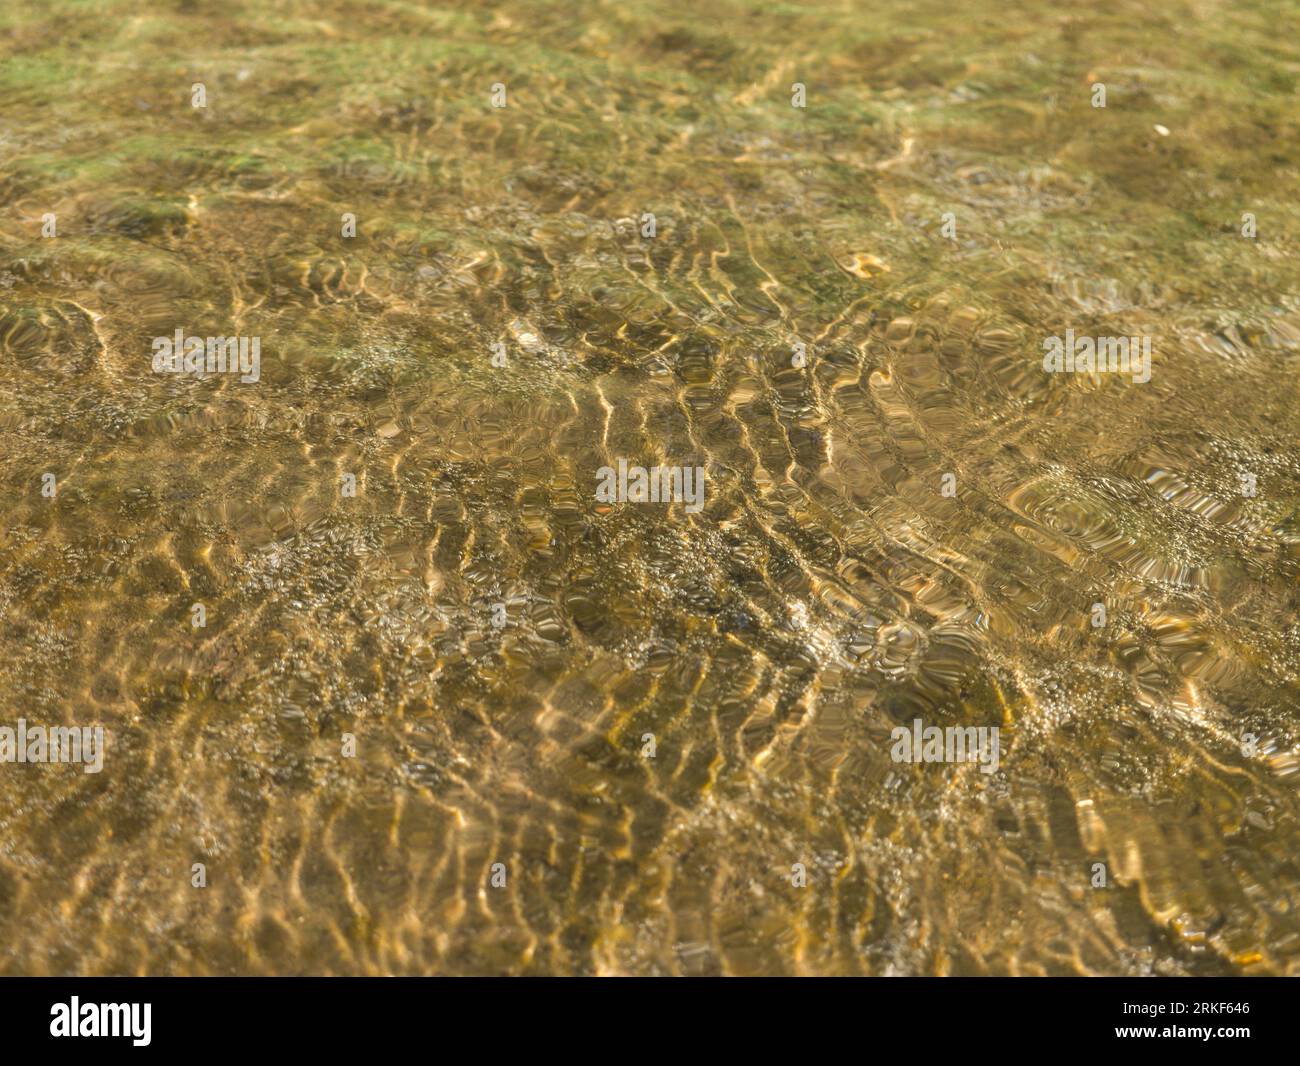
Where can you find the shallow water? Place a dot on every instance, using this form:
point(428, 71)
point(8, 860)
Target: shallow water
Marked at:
point(828, 591)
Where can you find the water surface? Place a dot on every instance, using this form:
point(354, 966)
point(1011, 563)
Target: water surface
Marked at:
point(828, 591)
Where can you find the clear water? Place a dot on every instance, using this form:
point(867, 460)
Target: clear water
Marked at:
point(828, 591)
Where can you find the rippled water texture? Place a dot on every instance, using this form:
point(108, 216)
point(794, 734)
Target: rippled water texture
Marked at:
point(828, 590)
